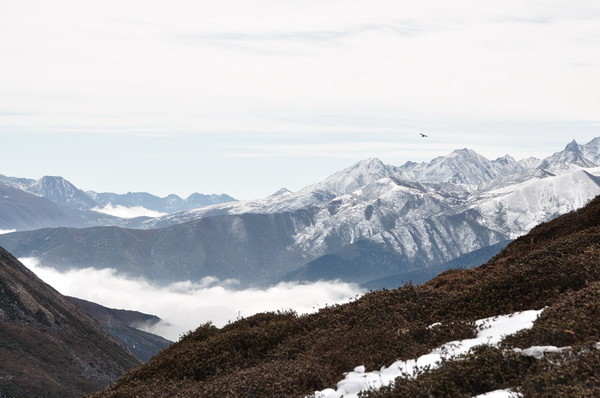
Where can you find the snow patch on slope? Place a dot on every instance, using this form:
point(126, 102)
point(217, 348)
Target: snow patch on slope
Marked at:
point(505, 393)
point(491, 332)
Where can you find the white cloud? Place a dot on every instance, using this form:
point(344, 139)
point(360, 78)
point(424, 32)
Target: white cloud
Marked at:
point(128, 212)
point(185, 305)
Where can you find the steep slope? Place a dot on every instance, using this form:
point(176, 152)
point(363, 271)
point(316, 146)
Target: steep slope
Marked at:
point(591, 150)
point(422, 275)
point(124, 325)
point(48, 347)
point(513, 210)
point(225, 247)
point(556, 266)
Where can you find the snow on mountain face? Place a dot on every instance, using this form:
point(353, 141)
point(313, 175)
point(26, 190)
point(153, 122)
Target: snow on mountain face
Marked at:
point(591, 150)
point(426, 222)
point(360, 174)
point(61, 191)
point(424, 214)
point(462, 166)
point(530, 163)
point(15, 182)
point(570, 159)
point(514, 210)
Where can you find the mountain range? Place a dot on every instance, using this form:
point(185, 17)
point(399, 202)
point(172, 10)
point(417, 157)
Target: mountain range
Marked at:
point(405, 336)
point(51, 201)
point(393, 220)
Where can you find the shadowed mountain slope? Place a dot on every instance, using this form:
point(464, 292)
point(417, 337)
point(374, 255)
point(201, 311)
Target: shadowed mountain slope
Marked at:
point(286, 355)
point(49, 347)
point(123, 325)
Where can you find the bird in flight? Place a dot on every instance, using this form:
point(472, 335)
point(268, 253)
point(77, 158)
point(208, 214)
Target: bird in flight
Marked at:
point(423, 135)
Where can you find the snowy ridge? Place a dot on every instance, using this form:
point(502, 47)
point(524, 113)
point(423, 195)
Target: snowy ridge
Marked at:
point(425, 223)
point(591, 150)
point(415, 216)
point(61, 191)
point(570, 159)
point(514, 210)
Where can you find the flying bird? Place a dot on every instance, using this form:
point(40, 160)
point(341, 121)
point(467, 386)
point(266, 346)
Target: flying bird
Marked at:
point(423, 135)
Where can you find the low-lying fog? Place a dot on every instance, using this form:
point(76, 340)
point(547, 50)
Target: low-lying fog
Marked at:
point(185, 305)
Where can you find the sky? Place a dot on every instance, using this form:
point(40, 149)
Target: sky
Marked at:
point(247, 96)
point(185, 305)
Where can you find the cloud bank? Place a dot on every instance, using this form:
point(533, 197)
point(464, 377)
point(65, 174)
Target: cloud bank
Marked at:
point(185, 305)
point(128, 212)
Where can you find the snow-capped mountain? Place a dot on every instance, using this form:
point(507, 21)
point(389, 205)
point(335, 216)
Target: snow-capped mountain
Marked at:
point(462, 166)
point(569, 159)
point(62, 192)
point(591, 150)
point(53, 201)
point(418, 215)
point(348, 180)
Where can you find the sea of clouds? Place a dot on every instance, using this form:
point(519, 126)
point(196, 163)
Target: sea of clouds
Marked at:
point(185, 305)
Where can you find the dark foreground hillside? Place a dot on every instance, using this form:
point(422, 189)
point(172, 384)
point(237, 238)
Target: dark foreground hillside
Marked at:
point(123, 326)
point(49, 347)
point(556, 266)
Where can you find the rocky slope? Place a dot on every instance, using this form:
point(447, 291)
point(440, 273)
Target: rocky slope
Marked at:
point(556, 267)
point(49, 347)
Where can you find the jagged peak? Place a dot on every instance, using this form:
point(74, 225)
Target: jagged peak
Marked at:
point(506, 159)
point(464, 152)
point(281, 192)
point(52, 181)
point(370, 163)
point(45, 179)
point(573, 146)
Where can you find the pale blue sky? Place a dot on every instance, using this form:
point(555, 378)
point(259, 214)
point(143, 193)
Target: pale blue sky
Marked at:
point(244, 97)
